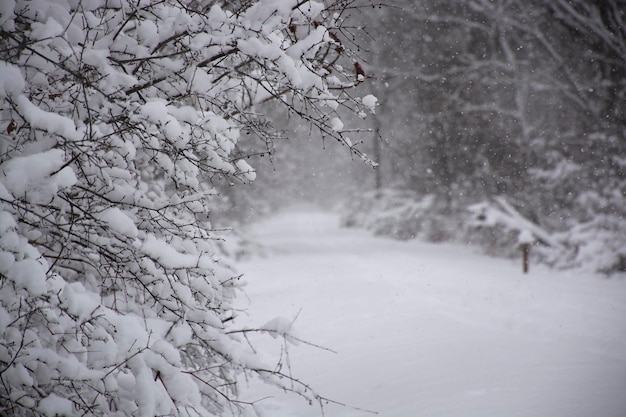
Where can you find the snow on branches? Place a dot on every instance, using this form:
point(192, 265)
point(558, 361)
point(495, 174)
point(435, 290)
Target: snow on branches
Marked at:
point(118, 119)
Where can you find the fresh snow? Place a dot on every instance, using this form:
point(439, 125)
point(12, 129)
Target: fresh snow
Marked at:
point(431, 330)
point(370, 102)
point(336, 124)
point(119, 221)
point(36, 176)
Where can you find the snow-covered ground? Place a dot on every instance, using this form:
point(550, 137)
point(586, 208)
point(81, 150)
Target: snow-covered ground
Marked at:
point(433, 330)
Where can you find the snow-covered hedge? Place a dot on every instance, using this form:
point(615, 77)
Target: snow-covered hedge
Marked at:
point(401, 214)
point(495, 225)
point(596, 245)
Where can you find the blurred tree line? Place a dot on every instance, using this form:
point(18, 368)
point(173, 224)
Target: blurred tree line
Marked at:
point(486, 97)
point(522, 99)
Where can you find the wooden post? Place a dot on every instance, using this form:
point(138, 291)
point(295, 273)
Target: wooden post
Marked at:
point(525, 239)
point(525, 253)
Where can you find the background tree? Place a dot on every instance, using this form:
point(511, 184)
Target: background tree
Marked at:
point(522, 99)
point(120, 120)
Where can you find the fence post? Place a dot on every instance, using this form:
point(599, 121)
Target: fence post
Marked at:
point(525, 239)
point(525, 255)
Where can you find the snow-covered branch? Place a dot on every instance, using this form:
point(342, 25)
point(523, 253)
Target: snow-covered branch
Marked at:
point(119, 121)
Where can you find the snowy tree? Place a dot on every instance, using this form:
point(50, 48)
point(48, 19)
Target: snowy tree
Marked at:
point(120, 120)
point(523, 99)
point(584, 175)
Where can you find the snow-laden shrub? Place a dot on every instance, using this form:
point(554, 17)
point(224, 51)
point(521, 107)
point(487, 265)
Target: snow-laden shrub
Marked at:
point(400, 214)
point(496, 225)
point(119, 118)
point(499, 228)
point(598, 245)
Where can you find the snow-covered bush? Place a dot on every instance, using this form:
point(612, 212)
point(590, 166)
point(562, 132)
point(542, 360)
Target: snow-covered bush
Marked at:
point(496, 225)
point(598, 245)
point(118, 120)
point(401, 214)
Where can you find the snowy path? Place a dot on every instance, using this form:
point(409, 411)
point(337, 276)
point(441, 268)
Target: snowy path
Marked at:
point(435, 330)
